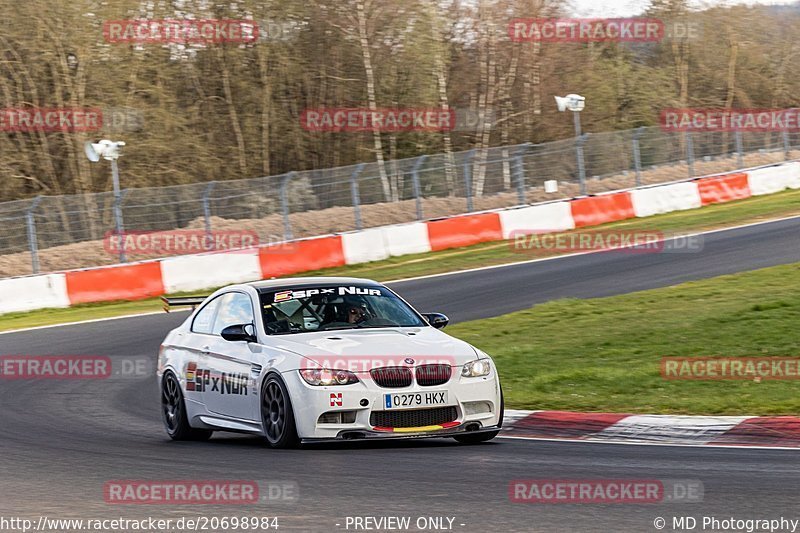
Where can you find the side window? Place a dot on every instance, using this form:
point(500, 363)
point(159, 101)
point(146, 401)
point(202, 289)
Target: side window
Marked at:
point(234, 308)
point(204, 320)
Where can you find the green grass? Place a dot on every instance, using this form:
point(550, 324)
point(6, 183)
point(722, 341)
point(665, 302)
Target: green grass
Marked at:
point(711, 217)
point(604, 354)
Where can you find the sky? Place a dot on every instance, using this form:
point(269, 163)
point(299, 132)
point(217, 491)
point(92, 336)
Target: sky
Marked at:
point(626, 8)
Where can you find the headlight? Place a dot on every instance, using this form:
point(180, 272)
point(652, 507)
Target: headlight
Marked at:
point(324, 377)
point(477, 368)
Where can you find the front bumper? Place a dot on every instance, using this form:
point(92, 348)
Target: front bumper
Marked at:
point(379, 435)
point(477, 403)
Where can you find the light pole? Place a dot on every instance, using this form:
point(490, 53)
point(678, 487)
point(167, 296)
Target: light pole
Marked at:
point(110, 151)
point(575, 103)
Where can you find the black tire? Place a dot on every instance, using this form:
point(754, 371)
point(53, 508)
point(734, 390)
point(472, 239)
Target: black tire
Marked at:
point(277, 416)
point(173, 412)
point(477, 438)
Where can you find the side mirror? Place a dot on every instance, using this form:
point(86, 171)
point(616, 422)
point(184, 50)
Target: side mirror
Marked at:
point(239, 332)
point(437, 320)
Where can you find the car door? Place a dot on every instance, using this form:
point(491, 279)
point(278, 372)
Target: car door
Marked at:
point(231, 391)
point(197, 345)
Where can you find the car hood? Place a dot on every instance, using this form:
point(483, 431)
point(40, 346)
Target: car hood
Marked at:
point(363, 349)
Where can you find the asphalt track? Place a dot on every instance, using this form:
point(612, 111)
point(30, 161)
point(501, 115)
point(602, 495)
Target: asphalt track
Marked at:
point(62, 440)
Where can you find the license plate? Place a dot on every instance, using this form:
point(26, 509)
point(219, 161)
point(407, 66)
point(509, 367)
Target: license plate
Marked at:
point(414, 399)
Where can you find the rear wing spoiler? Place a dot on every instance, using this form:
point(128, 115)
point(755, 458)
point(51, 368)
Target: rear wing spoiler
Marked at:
point(192, 301)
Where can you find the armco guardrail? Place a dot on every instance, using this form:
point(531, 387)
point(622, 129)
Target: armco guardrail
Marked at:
point(195, 272)
point(316, 202)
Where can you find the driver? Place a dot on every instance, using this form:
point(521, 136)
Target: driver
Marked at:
point(356, 314)
point(346, 311)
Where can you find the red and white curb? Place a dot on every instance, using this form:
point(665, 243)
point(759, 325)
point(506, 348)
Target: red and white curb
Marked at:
point(766, 431)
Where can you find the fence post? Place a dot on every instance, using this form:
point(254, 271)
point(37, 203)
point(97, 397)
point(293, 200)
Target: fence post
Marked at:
point(579, 142)
point(207, 211)
point(690, 152)
point(468, 178)
point(355, 195)
point(33, 244)
point(519, 172)
point(637, 155)
point(118, 197)
point(287, 225)
point(786, 146)
point(415, 184)
point(123, 256)
point(739, 148)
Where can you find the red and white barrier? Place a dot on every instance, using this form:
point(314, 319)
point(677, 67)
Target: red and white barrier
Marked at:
point(364, 246)
point(195, 272)
point(665, 199)
point(33, 292)
point(464, 230)
point(602, 209)
point(719, 189)
point(406, 239)
point(135, 281)
point(300, 256)
point(556, 216)
point(376, 244)
point(204, 271)
point(774, 179)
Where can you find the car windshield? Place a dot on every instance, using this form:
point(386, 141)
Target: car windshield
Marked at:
point(334, 307)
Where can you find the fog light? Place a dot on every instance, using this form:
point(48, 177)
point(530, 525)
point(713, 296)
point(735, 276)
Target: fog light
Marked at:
point(474, 408)
point(337, 417)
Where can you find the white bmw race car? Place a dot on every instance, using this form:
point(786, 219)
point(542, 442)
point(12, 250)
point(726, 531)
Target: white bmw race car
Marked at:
point(307, 359)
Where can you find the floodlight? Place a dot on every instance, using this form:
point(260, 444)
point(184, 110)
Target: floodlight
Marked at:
point(571, 102)
point(108, 150)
